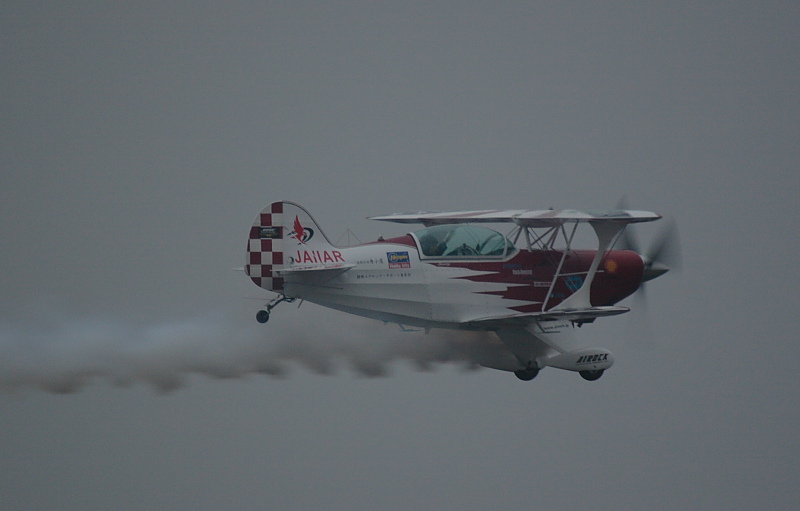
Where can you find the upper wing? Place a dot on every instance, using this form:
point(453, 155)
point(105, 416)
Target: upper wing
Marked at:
point(548, 218)
point(452, 217)
point(526, 218)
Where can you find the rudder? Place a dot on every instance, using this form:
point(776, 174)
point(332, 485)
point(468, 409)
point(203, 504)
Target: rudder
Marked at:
point(281, 232)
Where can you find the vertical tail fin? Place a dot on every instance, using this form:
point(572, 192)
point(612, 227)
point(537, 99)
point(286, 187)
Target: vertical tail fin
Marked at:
point(284, 234)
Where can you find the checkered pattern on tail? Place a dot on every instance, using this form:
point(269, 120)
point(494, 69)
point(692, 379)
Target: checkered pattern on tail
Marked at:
point(265, 248)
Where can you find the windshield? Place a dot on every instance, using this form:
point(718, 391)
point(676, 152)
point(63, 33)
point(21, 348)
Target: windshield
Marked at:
point(462, 241)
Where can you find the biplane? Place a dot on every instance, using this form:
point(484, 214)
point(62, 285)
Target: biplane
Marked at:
point(530, 287)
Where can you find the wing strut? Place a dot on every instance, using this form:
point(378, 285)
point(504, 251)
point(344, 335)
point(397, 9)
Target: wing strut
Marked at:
point(607, 233)
point(560, 263)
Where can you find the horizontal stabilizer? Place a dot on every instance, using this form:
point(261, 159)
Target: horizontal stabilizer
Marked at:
point(340, 268)
point(312, 275)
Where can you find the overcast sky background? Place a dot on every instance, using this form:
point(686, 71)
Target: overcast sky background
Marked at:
point(139, 142)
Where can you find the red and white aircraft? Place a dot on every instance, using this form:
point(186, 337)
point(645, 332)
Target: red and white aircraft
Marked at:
point(530, 287)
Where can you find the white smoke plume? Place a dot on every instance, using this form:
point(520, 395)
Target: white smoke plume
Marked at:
point(65, 355)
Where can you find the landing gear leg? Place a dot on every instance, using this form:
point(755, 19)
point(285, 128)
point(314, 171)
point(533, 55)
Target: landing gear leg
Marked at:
point(262, 316)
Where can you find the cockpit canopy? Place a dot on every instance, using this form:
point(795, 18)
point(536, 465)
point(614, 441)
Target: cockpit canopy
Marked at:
point(462, 240)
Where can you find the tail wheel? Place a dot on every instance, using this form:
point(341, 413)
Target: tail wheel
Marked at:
point(262, 316)
point(527, 374)
point(591, 375)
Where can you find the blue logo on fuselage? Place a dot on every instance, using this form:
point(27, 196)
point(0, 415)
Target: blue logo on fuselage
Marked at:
point(398, 259)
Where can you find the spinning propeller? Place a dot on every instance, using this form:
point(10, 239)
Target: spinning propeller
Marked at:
point(663, 254)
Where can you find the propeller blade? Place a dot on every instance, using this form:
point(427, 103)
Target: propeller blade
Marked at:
point(622, 203)
point(663, 254)
point(639, 328)
point(666, 250)
point(626, 240)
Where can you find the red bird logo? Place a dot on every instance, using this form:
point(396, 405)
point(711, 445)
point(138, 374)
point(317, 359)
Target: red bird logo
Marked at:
point(301, 234)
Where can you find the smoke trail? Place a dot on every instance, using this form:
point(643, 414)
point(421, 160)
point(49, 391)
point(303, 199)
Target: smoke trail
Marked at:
point(63, 357)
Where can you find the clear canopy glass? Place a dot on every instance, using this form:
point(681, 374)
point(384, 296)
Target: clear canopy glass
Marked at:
point(462, 240)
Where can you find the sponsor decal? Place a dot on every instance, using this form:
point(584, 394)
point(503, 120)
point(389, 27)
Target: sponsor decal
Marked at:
point(269, 233)
point(552, 326)
point(574, 282)
point(398, 260)
point(591, 359)
point(300, 233)
point(317, 256)
point(389, 275)
point(370, 261)
point(522, 272)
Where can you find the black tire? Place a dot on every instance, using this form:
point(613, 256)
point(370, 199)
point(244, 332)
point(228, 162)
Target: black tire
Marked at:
point(262, 316)
point(527, 374)
point(591, 375)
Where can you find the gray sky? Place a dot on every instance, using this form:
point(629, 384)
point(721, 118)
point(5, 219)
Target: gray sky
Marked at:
point(139, 142)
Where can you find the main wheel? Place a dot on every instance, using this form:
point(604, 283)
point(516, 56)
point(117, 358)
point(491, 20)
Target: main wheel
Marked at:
point(591, 375)
point(262, 316)
point(527, 374)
